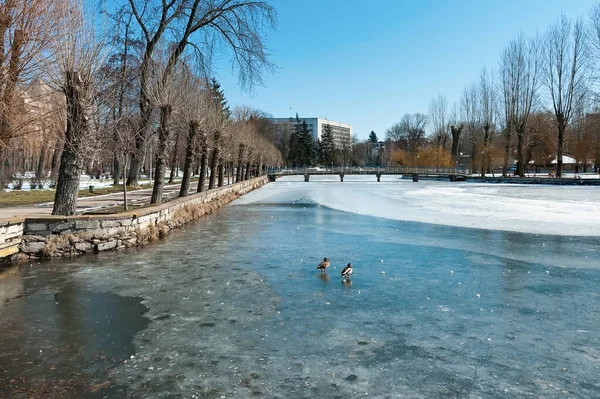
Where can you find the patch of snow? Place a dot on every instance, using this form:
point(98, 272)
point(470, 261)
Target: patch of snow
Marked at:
point(537, 209)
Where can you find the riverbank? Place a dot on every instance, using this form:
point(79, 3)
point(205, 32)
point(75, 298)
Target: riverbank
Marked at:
point(47, 236)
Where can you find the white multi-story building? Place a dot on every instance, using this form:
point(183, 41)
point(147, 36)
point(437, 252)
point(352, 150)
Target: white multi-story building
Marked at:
point(342, 132)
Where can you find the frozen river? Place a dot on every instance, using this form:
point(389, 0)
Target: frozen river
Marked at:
point(233, 307)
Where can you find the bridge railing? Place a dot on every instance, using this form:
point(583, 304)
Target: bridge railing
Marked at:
point(400, 170)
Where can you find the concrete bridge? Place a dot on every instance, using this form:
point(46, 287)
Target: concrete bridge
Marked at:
point(415, 173)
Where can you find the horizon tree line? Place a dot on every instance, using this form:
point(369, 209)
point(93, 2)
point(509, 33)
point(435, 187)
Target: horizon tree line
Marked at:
point(541, 102)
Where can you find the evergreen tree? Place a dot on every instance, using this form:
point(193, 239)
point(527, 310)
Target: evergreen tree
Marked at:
point(373, 137)
point(306, 145)
point(294, 154)
point(327, 146)
point(301, 145)
point(219, 97)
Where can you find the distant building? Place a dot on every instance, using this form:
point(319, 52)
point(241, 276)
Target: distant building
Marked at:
point(377, 151)
point(342, 132)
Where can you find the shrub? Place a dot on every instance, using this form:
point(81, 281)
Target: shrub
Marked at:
point(17, 183)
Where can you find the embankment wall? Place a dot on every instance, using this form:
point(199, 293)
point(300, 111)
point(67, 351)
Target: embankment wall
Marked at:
point(50, 236)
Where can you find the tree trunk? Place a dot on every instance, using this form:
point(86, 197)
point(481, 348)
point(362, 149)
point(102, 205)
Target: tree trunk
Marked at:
point(203, 161)
point(174, 159)
point(455, 130)
point(240, 161)
point(125, 205)
point(39, 173)
point(508, 139)
point(213, 160)
point(189, 158)
point(247, 174)
point(484, 153)
point(133, 177)
point(473, 155)
point(161, 155)
point(67, 188)
point(55, 160)
point(561, 141)
point(116, 169)
point(520, 154)
point(221, 172)
point(197, 165)
point(3, 161)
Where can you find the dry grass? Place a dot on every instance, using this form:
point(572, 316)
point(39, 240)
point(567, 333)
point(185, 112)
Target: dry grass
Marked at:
point(163, 230)
point(141, 234)
point(192, 212)
point(58, 242)
point(14, 198)
point(153, 233)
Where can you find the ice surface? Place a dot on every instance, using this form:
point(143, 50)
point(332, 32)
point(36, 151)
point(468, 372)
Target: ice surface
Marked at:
point(539, 209)
point(237, 308)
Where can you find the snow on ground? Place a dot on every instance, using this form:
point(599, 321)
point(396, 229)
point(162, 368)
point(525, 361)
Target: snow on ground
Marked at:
point(565, 175)
point(537, 209)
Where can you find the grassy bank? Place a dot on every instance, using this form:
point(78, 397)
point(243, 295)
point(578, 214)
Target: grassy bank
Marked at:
point(17, 197)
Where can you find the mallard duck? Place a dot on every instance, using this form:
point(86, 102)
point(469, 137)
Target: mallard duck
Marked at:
point(323, 265)
point(347, 271)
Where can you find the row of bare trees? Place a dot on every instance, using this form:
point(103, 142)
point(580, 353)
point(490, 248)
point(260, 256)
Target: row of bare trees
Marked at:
point(130, 90)
point(539, 104)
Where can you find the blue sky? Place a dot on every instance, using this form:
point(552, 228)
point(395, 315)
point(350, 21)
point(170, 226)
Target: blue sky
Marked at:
point(368, 63)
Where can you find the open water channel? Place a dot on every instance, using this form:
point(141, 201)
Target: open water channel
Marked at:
point(233, 307)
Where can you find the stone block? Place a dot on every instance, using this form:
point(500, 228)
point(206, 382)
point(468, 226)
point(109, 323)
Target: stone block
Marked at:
point(43, 233)
point(6, 252)
point(126, 222)
point(111, 231)
point(14, 229)
point(33, 247)
point(36, 226)
point(84, 246)
point(111, 223)
point(144, 219)
point(9, 243)
point(105, 246)
point(131, 242)
point(87, 224)
point(59, 227)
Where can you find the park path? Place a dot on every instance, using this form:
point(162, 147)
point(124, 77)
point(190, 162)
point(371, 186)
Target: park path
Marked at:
point(88, 204)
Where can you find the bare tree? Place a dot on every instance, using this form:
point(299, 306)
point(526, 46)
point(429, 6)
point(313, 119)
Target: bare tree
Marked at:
point(470, 111)
point(204, 26)
point(565, 58)
point(456, 128)
point(120, 74)
point(520, 66)
point(78, 55)
point(164, 93)
point(487, 103)
point(125, 133)
point(438, 116)
point(25, 33)
point(594, 19)
point(409, 133)
point(197, 111)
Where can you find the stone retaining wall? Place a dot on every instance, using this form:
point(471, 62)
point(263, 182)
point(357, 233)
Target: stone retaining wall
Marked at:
point(11, 231)
point(54, 236)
